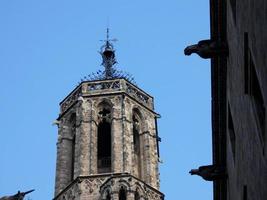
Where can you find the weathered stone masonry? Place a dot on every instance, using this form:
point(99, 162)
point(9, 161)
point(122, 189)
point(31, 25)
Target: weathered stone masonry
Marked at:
point(84, 170)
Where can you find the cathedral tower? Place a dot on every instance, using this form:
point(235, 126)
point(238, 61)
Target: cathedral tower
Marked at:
point(107, 145)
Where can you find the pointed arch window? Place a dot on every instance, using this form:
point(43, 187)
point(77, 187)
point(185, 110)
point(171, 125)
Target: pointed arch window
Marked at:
point(104, 142)
point(136, 119)
point(136, 195)
point(136, 138)
point(108, 197)
point(122, 194)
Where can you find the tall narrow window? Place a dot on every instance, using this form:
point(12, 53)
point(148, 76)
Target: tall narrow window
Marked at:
point(73, 157)
point(122, 194)
point(231, 132)
point(136, 139)
point(245, 192)
point(136, 196)
point(73, 134)
point(136, 144)
point(104, 143)
point(108, 197)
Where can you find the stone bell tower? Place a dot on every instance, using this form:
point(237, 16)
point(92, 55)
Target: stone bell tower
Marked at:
point(107, 145)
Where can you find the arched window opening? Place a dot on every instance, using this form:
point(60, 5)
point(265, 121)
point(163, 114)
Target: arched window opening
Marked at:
point(136, 139)
point(73, 134)
point(104, 142)
point(122, 194)
point(73, 157)
point(136, 144)
point(107, 196)
point(136, 195)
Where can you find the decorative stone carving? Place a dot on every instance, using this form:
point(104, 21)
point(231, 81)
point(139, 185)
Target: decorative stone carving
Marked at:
point(67, 103)
point(104, 85)
point(210, 172)
point(207, 49)
point(134, 92)
point(18, 196)
point(113, 101)
point(131, 185)
point(92, 184)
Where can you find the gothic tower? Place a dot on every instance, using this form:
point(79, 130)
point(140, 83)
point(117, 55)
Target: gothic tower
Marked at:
point(107, 145)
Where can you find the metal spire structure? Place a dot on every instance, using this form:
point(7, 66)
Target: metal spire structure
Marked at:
point(109, 61)
point(108, 56)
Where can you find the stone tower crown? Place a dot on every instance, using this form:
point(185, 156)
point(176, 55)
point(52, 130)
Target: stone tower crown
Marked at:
point(107, 140)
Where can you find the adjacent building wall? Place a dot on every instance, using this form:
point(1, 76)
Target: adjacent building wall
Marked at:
point(239, 93)
point(247, 41)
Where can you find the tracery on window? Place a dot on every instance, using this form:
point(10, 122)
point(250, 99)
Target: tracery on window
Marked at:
point(104, 115)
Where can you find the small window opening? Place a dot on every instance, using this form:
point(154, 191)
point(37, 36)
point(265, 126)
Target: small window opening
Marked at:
point(104, 143)
point(136, 139)
point(136, 144)
point(231, 132)
point(73, 157)
point(245, 192)
point(122, 194)
point(136, 196)
point(73, 133)
point(108, 197)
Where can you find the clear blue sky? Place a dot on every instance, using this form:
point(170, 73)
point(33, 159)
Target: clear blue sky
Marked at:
point(46, 47)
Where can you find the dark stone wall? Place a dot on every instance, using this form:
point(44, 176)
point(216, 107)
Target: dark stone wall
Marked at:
point(247, 170)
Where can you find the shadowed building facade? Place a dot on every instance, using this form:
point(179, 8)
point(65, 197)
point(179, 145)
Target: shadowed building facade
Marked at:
point(238, 52)
point(107, 139)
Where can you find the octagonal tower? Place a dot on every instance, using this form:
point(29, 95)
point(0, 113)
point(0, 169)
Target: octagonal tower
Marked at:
point(107, 139)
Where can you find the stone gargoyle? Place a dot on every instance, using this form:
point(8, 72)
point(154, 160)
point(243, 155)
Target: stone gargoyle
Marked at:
point(18, 196)
point(210, 172)
point(207, 49)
